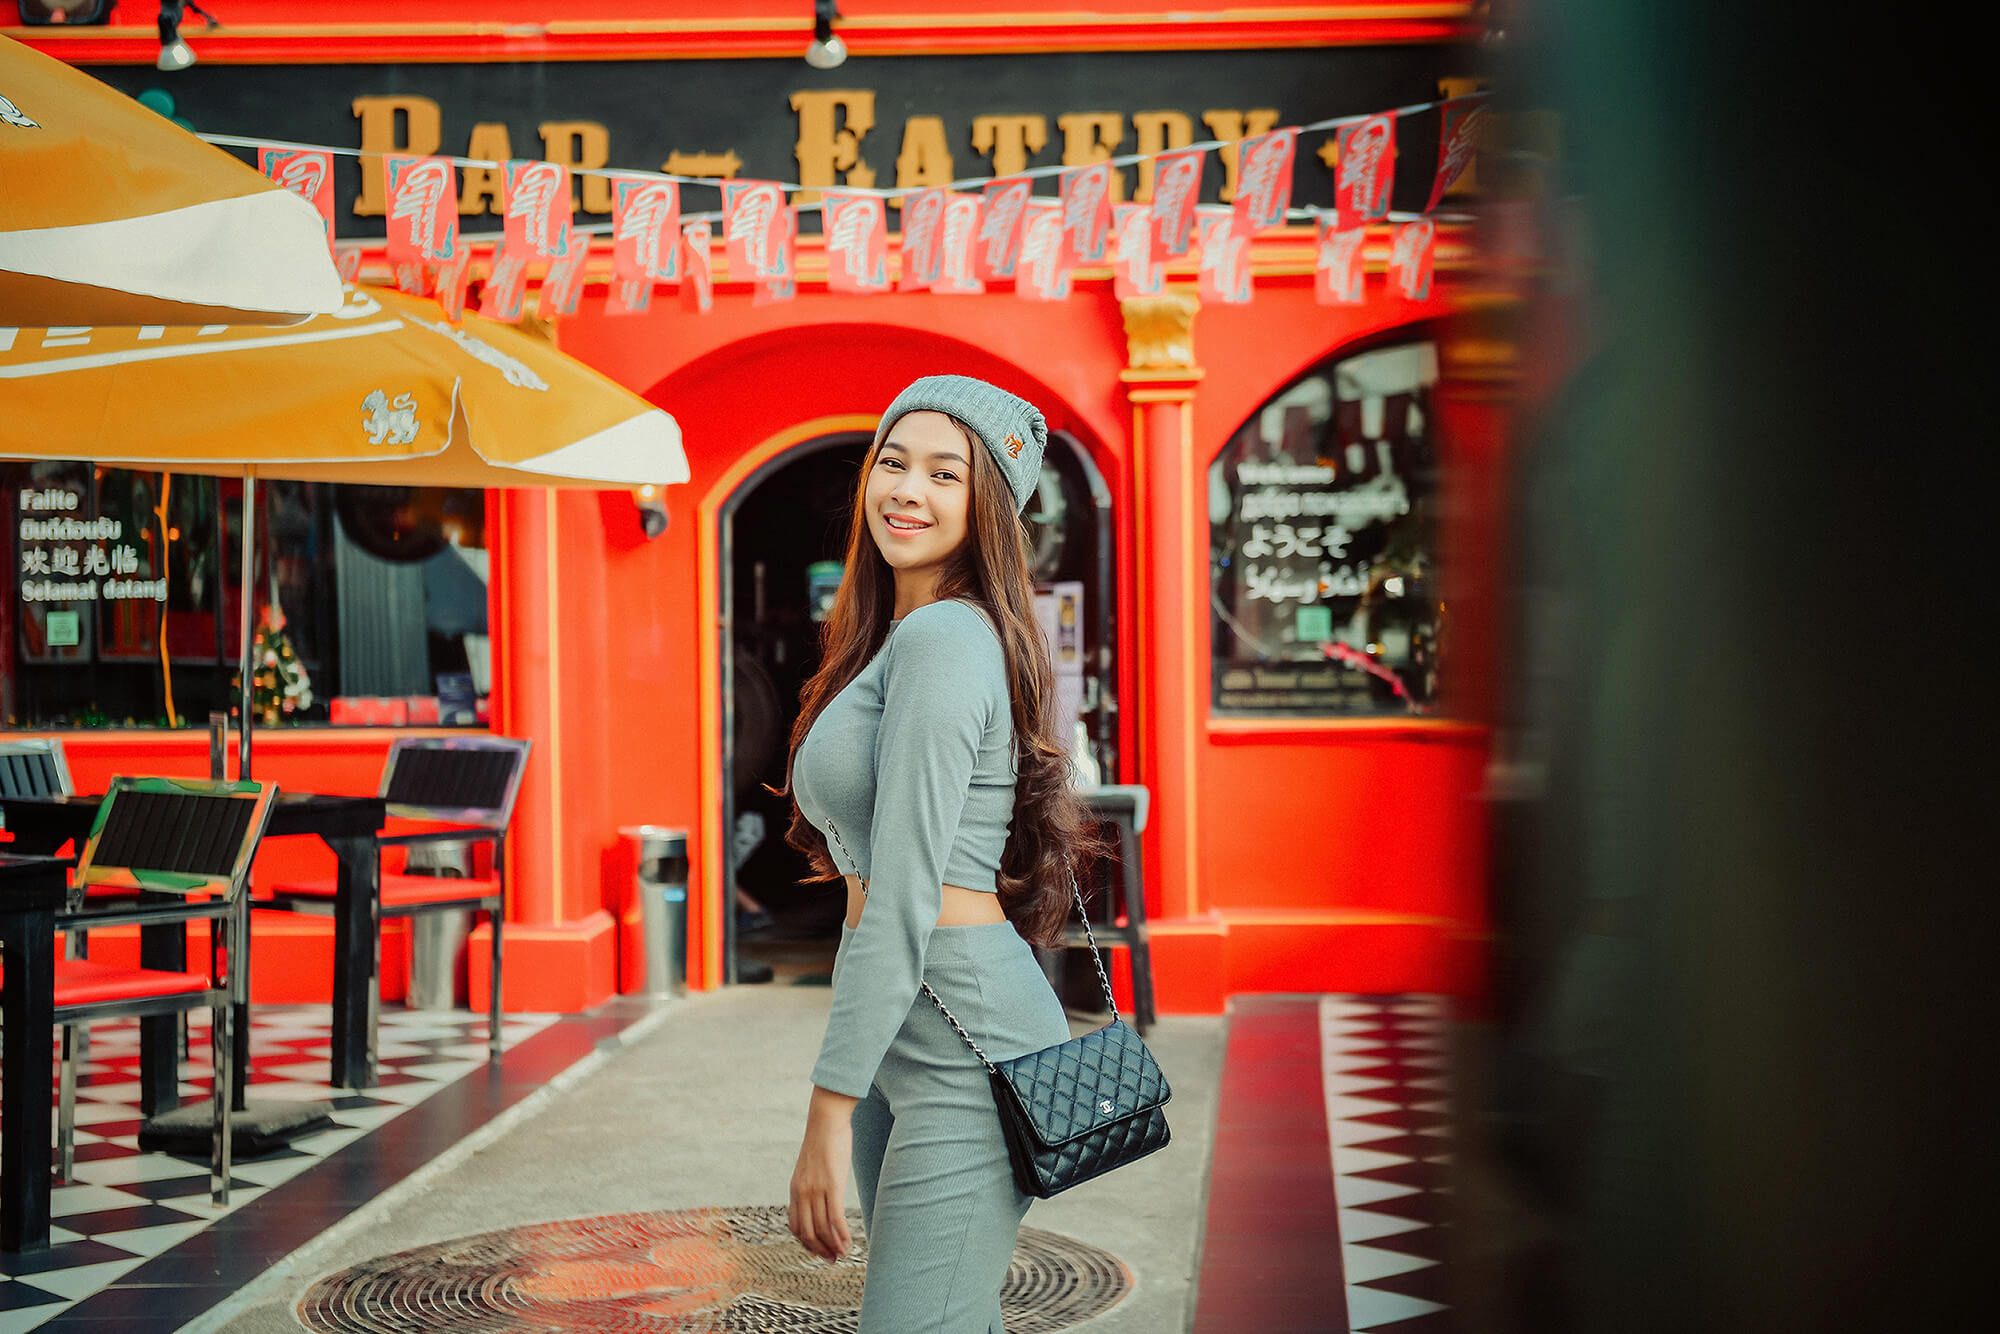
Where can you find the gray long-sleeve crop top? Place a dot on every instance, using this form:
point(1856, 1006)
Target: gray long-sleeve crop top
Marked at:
point(909, 771)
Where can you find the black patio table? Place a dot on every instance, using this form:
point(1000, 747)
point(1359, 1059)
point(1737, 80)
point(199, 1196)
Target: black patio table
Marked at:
point(32, 890)
point(349, 826)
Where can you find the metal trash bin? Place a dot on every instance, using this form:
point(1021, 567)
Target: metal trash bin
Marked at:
point(660, 879)
point(438, 939)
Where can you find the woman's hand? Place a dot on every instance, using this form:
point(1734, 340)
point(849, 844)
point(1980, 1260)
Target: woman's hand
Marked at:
point(818, 1211)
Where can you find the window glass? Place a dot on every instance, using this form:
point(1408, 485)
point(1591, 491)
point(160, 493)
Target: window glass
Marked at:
point(1322, 521)
point(375, 610)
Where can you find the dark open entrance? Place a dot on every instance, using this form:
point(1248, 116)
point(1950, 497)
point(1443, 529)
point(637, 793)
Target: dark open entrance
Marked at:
point(783, 535)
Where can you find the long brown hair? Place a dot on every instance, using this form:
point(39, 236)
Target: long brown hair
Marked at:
point(1051, 837)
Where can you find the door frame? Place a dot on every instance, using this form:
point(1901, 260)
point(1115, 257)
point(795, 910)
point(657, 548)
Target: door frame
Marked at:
point(715, 540)
point(723, 654)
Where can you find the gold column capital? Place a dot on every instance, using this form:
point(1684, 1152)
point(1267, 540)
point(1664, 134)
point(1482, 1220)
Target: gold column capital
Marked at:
point(1159, 332)
point(1479, 353)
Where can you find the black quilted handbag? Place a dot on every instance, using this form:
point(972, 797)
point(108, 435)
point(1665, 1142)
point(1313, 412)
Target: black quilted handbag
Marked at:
point(1080, 1108)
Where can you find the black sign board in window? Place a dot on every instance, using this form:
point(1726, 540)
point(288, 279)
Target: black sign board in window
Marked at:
point(1322, 542)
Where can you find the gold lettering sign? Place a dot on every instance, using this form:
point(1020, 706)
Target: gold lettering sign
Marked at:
point(723, 165)
point(832, 125)
point(485, 187)
point(825, 152)
point(1008, 140)
point(422, 132)
point(926, 156)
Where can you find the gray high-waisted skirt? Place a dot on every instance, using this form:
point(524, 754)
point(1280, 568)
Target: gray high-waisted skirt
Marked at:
point(937, 1194)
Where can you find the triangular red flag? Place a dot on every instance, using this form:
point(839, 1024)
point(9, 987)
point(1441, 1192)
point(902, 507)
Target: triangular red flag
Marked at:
point(538, 209)
point(1338, 275)
point(1003, 208)
point(784, 284)
point(1464, 118)
point(1086, 220)
point(1263, 181)
point(1176, 191)
point(961, 228)
point(1135, 272)
point(698, 292)
point(449, 285)
point(423, 209)
point(1367, 170)
point(501, 295)
point(1411, 260)
point(923, 239)
point(630, 296)
point(1225, 258)
point(753, 232)
point(856, 227)
point(563, 286)
point(645, 229)
point(1043, 276)
point(413, 276)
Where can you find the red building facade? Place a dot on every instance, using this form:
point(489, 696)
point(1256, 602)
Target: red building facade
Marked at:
point(1316, 817)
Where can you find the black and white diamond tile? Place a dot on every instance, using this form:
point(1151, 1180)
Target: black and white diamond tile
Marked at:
point(1388, 1119)
point(124, 1207)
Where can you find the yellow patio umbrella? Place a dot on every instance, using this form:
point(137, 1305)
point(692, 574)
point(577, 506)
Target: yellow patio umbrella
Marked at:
point(112, 214)
point(384, 391)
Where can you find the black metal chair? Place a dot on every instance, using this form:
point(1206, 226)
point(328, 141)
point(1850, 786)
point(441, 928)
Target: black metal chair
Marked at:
point(1118, 905)
point(33, 767)
point(470, 784)
point(184, 847)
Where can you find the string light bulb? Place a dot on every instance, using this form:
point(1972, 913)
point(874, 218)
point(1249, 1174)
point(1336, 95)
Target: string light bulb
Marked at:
point(827, 50)
point(175, 54)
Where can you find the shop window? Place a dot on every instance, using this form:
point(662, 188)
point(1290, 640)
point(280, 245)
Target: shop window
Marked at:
point(1322, 549)
point(121, 600)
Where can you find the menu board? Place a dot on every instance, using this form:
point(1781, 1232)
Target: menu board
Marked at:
point(1321, 545)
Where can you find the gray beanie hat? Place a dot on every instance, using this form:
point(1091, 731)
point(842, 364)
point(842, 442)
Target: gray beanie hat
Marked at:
point(1012, 428)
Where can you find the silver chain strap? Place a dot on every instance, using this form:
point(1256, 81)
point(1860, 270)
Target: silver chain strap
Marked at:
point(1097, 959)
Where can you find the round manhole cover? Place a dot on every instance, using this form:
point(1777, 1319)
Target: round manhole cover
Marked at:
point(684, 1271)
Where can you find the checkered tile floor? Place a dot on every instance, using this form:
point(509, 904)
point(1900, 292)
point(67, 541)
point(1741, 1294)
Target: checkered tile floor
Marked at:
point(1387, 1114)
point(125, 1207)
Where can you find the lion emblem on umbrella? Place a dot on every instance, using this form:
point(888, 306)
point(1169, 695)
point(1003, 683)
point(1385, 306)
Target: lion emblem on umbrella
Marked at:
point(13, 115)
point(391, 421)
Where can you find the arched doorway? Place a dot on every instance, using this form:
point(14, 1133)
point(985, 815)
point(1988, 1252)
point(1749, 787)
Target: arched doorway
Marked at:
point(782, 534)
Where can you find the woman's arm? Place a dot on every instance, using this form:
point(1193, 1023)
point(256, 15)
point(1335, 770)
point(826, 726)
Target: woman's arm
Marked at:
point(818, 1210)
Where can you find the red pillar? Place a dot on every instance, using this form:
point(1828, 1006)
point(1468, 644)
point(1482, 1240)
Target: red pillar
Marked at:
point(1170, 586)
point(521, 702)
point(560, 945)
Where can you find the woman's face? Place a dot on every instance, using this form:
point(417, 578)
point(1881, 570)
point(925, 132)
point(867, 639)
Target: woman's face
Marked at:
point(919, 492)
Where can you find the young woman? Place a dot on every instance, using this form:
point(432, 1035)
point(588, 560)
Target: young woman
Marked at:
point(928, 773)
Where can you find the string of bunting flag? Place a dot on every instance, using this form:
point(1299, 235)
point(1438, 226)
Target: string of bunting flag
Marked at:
point(954, 241)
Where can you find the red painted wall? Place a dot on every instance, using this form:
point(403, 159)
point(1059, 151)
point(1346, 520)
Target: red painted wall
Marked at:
point(1344, 857)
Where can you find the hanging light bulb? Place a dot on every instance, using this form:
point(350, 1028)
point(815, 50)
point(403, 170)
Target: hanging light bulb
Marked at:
point(175, 54)
point(827, 50)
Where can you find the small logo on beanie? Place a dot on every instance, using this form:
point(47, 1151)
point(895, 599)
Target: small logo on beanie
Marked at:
point(1013, 446)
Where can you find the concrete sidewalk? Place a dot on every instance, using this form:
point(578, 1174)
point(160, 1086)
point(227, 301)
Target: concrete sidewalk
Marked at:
point(705, 1108)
